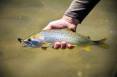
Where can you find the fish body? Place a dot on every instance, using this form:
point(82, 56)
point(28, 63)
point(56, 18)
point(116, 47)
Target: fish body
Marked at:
point(50, 36)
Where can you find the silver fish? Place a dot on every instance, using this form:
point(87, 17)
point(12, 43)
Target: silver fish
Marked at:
point(48, 37)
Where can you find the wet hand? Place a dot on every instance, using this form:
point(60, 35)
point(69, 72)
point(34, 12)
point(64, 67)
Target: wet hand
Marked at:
point(62, 45)
point(65, 22)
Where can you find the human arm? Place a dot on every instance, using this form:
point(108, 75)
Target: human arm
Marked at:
point(73, 16)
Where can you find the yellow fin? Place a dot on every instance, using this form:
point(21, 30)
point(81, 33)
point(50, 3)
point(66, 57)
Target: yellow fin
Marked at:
point(46, 44)
point(87, 48)
point(36, 36)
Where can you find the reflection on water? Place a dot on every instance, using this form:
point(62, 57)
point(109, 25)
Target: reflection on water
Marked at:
point(18, 19)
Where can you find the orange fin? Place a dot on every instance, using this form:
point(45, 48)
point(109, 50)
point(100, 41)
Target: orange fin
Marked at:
point(87, 48)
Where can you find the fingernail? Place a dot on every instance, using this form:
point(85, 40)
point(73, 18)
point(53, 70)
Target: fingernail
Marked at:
point(57, 45)
point(70, 46)
point(63, 44)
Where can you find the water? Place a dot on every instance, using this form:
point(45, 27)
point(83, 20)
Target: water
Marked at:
point(20, 18)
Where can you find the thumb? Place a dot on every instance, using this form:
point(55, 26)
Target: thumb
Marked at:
point(72, 27)
point(48, 27)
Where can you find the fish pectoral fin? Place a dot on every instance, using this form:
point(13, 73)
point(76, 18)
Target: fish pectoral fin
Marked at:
point(87, 48)
point(45, 44)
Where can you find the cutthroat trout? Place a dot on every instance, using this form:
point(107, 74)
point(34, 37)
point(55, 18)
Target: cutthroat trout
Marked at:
point(48, 37)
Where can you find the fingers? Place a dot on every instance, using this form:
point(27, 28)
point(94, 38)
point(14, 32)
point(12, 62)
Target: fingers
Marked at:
point(54, 25)
point(70, 26)
point(57, 45)
point(62, 45)
point(60, 24)
point(70, 46)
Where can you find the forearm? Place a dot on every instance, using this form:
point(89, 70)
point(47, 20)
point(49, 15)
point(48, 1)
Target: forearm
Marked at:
point(79, 9)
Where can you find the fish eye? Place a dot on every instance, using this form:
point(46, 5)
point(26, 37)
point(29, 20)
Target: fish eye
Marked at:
point(29, 39)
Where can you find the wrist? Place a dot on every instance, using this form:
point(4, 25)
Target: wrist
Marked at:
point(71, 20)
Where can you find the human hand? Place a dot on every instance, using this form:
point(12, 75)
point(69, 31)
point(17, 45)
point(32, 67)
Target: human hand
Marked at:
point(65, 22)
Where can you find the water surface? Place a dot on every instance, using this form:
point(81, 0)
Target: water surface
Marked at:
point(24, 17)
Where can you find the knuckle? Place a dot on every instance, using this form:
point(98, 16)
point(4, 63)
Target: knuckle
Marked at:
point(70, 46)
point(71, 26)
point(63, 44)
point(57, 45)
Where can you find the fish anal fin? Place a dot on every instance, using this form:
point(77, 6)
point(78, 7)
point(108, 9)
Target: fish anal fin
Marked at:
point(87, 48)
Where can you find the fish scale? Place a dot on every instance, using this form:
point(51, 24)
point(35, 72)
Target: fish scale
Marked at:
point(47, 37)
point(63, 35)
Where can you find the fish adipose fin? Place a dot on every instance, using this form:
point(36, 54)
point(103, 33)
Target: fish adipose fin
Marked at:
point(101, 43)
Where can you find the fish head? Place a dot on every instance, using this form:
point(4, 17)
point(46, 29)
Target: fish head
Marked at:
point(31, 42)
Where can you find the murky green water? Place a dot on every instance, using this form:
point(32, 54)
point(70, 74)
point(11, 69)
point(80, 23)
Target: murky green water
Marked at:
point(24, 17)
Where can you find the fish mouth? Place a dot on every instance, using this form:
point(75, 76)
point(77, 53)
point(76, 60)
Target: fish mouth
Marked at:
point(20, 40)
point(24, 44)
point(28, 43)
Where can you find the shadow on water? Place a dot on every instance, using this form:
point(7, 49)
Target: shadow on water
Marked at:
point(24, 17)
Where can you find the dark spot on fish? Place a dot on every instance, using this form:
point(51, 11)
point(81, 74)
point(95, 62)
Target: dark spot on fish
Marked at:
point(29, 39)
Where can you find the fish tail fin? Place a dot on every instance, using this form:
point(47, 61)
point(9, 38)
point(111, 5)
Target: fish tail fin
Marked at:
point(98, 42)
point(101, 43)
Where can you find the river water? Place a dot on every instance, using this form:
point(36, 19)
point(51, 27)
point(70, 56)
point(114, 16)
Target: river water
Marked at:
point(21, 18)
